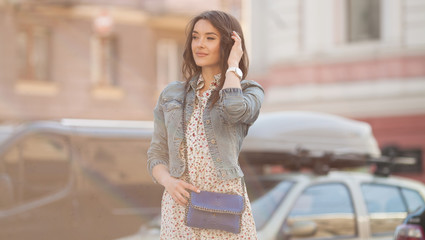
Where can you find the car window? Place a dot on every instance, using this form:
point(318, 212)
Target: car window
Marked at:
point(383, 198)
point(320, 199)
point(34, 168)
point(413, 199)
point(328, 211)
point(385, 206)
point(263, 207)
point(117, 167)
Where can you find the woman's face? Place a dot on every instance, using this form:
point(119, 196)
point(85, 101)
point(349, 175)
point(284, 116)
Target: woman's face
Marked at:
point(206, 45)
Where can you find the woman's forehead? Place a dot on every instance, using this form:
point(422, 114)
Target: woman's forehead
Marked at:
point(204, 26)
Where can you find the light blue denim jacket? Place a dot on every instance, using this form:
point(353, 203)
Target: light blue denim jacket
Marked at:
point(226, 125)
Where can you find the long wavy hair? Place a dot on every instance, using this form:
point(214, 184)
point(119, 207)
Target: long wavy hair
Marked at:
point(225, 24)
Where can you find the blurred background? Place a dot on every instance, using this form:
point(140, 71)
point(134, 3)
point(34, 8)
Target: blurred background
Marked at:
point(100, 59)
point(106, 59)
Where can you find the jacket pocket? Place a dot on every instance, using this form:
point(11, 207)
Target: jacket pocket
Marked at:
point(172, 109)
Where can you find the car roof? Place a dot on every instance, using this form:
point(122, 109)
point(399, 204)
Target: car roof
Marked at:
point(345, 176)
point(319, 133)
point(83, 127)
point(9, 134)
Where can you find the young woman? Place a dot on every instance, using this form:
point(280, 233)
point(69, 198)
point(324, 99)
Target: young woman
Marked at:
point(220, 107)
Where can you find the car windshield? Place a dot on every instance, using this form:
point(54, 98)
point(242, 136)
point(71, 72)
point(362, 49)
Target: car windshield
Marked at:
point(263, 207)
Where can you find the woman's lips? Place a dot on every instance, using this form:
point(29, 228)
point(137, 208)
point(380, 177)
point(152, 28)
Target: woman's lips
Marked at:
point(201, 54)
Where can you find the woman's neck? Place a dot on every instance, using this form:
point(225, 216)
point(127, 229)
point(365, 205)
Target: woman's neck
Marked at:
point(208, 75)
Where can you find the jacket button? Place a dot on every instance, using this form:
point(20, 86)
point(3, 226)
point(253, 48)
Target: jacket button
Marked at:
point(218, 159)
point(213, 141)
point(208, 121)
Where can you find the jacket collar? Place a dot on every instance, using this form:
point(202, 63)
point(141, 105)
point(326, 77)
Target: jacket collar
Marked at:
point(195, 80)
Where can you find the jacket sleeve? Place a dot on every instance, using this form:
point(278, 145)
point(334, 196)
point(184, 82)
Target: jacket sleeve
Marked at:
point(242, 105)
point(158, 149)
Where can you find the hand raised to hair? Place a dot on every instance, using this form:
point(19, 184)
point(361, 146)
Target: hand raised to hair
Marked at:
point(236, 52)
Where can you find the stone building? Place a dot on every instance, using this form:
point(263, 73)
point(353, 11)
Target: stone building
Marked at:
point(91, 59)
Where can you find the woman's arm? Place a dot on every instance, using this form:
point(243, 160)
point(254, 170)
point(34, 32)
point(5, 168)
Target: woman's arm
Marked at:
point(158, 149)
point(240, 103)
point(158, 160)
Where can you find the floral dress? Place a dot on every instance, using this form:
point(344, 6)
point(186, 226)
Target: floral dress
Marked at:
point(202, 174)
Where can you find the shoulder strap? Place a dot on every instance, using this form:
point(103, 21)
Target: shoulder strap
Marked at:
point(185, 145)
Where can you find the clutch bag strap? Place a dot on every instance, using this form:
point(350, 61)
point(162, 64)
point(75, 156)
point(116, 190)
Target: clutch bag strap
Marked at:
point(184, 138)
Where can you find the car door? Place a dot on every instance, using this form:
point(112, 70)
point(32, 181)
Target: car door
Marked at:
point(115, 186)
point(116, 167)
point(388, 205)
point(322, 211)
point(37, 176)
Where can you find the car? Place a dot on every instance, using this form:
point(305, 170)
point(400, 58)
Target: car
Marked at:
point(412, 227)
point(338, 205)
point(75, 179)
point(87, 179)
point(308, 177)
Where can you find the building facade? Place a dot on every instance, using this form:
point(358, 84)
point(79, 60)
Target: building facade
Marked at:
point(91, 59)
point(363, 59)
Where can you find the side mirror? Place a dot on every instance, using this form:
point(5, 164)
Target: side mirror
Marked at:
point(298, 229)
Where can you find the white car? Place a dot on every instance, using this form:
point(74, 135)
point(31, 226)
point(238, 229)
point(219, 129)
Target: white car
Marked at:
point(324, 204)
point(339, 205)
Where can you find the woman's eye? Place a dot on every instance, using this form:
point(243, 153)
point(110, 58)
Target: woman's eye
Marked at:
point(194, 37)
point(211, 38)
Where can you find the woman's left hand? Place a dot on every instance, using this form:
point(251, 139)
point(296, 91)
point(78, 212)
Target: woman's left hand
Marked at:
point(236, 52)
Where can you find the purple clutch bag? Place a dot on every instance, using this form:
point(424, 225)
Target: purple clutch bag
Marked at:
point(213, 210)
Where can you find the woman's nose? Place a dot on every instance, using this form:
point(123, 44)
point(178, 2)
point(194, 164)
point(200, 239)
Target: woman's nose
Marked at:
point(201, 42)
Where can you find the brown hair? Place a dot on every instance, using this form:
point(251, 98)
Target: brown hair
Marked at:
point(225, 24)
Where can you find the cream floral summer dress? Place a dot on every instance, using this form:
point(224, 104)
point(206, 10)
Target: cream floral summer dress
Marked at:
point(203, 175)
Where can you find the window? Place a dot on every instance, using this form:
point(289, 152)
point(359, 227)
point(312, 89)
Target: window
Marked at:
point(34, 53)
point(363, 20)
point(104, 59)
point(413, 199)
point(35, 168)
point(117, 168)
point(386, 207)
point(265, 206)
point(168, 62)
point(327, 207)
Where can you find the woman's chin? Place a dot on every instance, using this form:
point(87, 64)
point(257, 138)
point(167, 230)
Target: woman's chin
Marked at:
point(200, 63)
point(206, 65)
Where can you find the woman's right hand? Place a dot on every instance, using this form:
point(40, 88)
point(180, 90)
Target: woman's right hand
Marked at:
point(178, 189)
point(236, 52)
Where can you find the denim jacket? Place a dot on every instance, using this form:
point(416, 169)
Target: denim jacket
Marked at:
point(226, 125)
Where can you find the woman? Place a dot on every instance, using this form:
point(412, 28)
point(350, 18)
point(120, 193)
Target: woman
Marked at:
point(219, 109)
